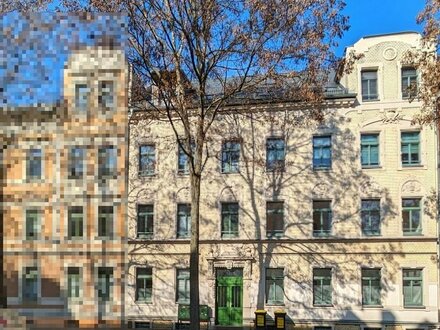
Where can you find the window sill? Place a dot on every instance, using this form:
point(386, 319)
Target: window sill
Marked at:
point(143, 302)
point(411, 165)
point(322, 235)
point(412, 234)
point(75, 178)
point(34, 180)
point(226, 237)
point(274, 236)
point(183, 238)
point(182, 174)
point(322, 169)
point(274, 303)
point(30, 303)
point(104, 238)
point(371, 235)
point(372, 306)
point(371, 100)
point(107, 177)
point(371, 167)
point(414, 307)
point(229, 173)
point(75, 238)
point(145, 237)
point(146, 176)
point(325, 306)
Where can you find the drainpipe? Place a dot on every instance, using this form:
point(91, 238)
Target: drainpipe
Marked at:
point(437, 150)
point(129, 76)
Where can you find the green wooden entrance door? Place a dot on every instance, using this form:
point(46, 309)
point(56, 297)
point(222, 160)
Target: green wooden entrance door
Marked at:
point(229, 298)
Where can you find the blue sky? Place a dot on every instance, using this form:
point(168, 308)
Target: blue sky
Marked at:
point(369, 17)
point(31, 70)
point(40, 81)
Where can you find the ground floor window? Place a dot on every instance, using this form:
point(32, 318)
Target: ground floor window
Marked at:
point(275, 286)
point(412, 287)
point(322, 286)
point(182, 286)
point(371, 287)
point(73, 282)
point(144, 284)
point(30, 284)
point(105, 283)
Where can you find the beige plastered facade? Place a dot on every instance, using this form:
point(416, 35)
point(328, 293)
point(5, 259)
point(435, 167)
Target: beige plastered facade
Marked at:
point(346, 251)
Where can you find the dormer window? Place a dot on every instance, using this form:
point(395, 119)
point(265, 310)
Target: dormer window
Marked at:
point(369, 85)
point(106, 94)
point(409, 82)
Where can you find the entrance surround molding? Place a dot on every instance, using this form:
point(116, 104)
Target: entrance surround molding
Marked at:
point(230, 257)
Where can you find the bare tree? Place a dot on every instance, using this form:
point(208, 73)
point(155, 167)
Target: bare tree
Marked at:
point(7, 6)
point(428, 63)
point(196, 56)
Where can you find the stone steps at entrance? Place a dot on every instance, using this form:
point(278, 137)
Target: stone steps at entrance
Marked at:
point(222, 327)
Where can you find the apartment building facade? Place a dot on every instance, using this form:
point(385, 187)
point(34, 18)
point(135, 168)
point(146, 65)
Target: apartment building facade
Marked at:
point(335, 222)
point(64, 197)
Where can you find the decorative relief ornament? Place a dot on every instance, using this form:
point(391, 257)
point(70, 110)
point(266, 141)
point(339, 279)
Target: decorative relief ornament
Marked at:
point(391, 116)
point(214, 251)
point(248, 252)
point(369, 187)
point(247, 270)
point(321, 190)
point(239, 250)
point(411, 187)
point(389, 53)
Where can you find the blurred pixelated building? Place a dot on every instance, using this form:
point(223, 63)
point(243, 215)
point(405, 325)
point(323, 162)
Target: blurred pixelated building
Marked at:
point(63, 196)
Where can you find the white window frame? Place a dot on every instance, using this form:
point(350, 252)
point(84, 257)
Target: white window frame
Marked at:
point(424, 287)
point(402, 197)
point(371, 67)
point(332, 284)
point(422, 148)
point(400, 66)
point(144, 302)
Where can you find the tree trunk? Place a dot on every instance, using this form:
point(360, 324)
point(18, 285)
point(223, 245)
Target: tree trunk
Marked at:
point(194, 249)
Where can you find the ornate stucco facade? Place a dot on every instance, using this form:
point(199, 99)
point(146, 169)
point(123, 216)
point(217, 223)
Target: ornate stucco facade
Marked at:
point(402, 251)
point(63, 177)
